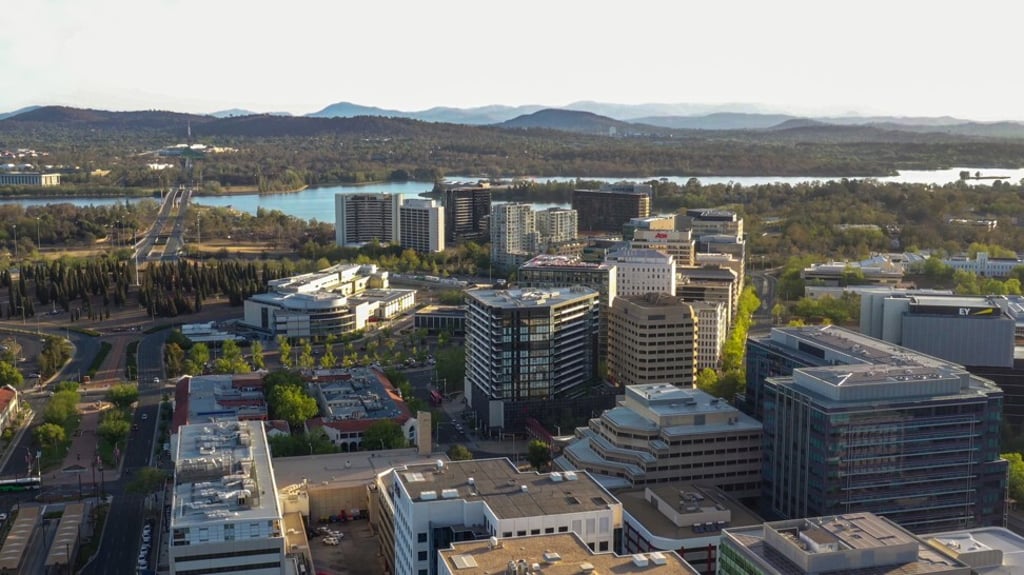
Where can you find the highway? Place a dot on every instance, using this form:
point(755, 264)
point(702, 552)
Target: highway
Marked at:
point(164, 239)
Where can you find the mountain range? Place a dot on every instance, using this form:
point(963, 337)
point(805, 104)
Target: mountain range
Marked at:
point(592, 118)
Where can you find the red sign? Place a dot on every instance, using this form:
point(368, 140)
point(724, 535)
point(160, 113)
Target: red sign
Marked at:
point(660, 235)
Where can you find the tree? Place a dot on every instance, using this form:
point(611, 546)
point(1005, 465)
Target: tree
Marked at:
point(174, 359)
point(231, 359)
point(1016, 478)
point(66, 385)
point(61, 408)
point(459, 453)
point(292, 404)
point(198, 357)
point(328, 360)
point(707, 380)
point(114, 427)
point(384, 434)
point(123, 395)
point(451, 367)
point(538, 454)
point(10, 350)
point(10, 375)
point(147, 480)
point(306, 360)
point(257, 355)
point(50, 435)
point(284, 351)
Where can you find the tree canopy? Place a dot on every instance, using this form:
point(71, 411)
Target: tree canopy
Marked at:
point(384, 434)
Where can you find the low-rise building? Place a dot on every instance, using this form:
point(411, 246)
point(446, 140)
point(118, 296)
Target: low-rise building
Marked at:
point(558, 554)
point(29, 179)
point(850, 543)
point(213, 398)
point(681, 517)
point(441, 318)
point(434, 506)
point(351, 400)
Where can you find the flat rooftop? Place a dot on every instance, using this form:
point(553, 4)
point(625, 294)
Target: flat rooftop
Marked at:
point(864, 532)
point(988, 550)
point(222, 471)
point(545, 261)
point(500, 485)
point(217, 397)
point(66, 538)
point(530, 297)
point(346, 469)
point(560, 554)
point(357, 393)
point(13, 551)
point(860, 348)
point(711, 505)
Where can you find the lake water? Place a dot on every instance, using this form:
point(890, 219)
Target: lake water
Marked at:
point(318, 203)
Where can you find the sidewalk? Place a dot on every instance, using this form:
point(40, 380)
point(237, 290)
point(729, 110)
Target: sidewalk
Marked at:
point(26, 423)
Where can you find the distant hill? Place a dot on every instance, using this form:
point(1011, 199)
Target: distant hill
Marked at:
point(5, 115)
point(717, 121)
point(578, 122)
point(150, 119)
point(470, 116)
point(350, 110)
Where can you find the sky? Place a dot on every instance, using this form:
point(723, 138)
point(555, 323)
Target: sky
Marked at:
point(815, 57)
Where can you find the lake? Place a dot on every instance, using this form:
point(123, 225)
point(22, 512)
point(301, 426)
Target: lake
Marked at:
point(318, 202)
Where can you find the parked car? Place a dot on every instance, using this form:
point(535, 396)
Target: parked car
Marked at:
point(330, 540)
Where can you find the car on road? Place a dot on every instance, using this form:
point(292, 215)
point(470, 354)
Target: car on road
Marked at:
point(145, 416)
point(156, 380)
point(330, 540)
point(3, 517)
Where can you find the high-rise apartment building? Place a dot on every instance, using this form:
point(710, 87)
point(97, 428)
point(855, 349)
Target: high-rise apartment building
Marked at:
point(360, 218)
point(641, 272)
point(557, 225)
point(861, 425)
point(467, 213)
point(548, 271)
point(522, 345)
point(421, 226)
point(607, 212)
point(225, 515)
point(514, 235)
point(652, 339)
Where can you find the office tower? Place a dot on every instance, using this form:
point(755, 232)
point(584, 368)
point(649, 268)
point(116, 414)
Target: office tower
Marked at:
point(652, 339)
point(421, 226)
point(641, 272)
point(362, 218)
point(467, 213)
point(861, 425)
point(606, 212)
point(712, 330)
point(678, 244)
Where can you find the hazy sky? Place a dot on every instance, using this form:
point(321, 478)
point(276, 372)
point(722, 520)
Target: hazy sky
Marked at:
point(813, 57)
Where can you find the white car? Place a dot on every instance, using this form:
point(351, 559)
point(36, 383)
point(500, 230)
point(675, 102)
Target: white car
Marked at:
point(330, 540)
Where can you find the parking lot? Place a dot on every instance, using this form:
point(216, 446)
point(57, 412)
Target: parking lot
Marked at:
point(355, 554)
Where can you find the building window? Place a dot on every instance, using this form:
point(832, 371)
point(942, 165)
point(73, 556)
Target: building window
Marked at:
point(421, 556)
point(549, 530)
point(506, 534)
point(535, 532)
point(603, 546)
point(421, 537)
point(521, 533)
point(563, 529)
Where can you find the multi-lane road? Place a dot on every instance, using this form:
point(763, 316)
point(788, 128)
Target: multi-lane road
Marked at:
point(164, 240)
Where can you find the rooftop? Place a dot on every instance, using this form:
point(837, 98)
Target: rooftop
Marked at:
point(553, 261)
point(856, 347)
point(223, 471)
point(346, 469)
point(854, 544)
point(560, 554)
point(508, 492)
point(357, 393)
point(536, 297)
point(988, 550)
point(672, 409)
point(637, 254)
point(223, 397)
point(699, 511)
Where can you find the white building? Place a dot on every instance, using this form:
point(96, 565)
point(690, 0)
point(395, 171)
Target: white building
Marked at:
point(514, 236)
point(643, 271)
point(338, 299)
point(557, 225)
point(436, 505)
point(225, 516)
point(361, 218)
point(421, 226)
point(984, 265)
point(712, 330)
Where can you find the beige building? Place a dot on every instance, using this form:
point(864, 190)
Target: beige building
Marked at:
point(421, 225)
point(661, 433)
point(678, 244)
point(712, 329)
point(652, 339)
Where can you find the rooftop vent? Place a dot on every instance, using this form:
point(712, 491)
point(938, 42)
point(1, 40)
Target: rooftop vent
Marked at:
point(556, 477)
point(449, 493)
point(428, 495)
point(570, 476)
point(657, 557)
point(471, 481)
point(551, 557)
point(524, 488)
point(586, 567)
point(494, 543)
point(640, 560)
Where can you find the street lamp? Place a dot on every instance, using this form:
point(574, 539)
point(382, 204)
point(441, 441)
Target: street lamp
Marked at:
point(37, 233)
